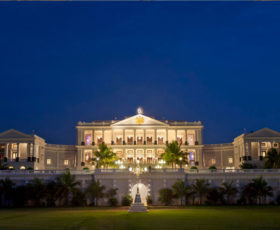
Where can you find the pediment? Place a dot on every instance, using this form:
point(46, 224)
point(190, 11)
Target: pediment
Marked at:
point(265, 132)
point(13, 134)
point(140, 120)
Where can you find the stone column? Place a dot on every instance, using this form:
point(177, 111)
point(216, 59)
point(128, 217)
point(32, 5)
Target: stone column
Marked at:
point(145, 135)
point(28, 150)
point(176, 133)
point(123, 135)
point(112, 135)
point(33, 150)
point(271, 144)
point(249, 148)
point(196, 135)
point(186, 133)
point(82, 135)
point(93, 137)
point(6, 150)
point(155, 135)
point(260, 148)
point(166, 135)
point(134, 135)
point(18, 150)
point(103, 136)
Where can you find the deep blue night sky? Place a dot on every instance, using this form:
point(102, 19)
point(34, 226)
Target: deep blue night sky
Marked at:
point(61, 63)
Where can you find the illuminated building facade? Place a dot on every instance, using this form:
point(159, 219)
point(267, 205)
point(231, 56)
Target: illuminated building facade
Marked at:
point(138, 139)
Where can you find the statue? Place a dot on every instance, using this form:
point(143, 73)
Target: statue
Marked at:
point(137, 196)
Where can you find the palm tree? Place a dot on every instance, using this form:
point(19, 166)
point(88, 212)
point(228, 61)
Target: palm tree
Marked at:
point(272, 159)
point(111, 194)
point(7, 188)
point(228, 190)
point(174, 155)
point(67, 185)
point(256, 191)
point(35, 191)
point(201, 188)
point(95, 191)
point(180, 190)
point(52, 193)
point(165, 196)
point(104, 156)
point(214, 196)
point(262, 190)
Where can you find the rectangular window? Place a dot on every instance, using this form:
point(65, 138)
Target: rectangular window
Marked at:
point(263, 144)
point(191, 139)
point(14, 155)
point(230, 160)
point(49, 161)
point(87, 155)
point(88, 137)
point(263, 153)
point(275, 145)
point(191, 156)
point(213, 161)
point(66, 162)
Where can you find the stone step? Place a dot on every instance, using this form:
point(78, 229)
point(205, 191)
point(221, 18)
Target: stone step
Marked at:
point(137, 207)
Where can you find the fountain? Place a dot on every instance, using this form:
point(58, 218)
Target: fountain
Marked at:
point(137, 206)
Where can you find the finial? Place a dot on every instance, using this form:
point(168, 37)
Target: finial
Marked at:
point(139, 110)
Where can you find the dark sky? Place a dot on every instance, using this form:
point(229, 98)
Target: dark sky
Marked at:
point(61, 63)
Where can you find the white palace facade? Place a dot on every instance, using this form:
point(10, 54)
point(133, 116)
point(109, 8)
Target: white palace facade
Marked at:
point(137, 139)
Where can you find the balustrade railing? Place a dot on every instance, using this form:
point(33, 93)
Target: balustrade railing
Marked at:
point(148, 170)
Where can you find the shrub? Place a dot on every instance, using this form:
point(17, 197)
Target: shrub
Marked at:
point(247, 166)
point(193, 167)
point(85, 168)
point(30, 168)
point(112, 201)
point(165, 196)
point(127, 200)
point(212, 167)
point(149, 200)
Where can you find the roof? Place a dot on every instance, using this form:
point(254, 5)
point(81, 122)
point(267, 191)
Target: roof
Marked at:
point(14, 134)
point(265, 132)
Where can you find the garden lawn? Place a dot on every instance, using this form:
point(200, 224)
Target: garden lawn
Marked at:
point(156, 219)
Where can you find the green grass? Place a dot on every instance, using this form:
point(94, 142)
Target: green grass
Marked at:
point(156, 219)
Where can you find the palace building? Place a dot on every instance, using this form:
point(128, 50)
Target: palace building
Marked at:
point(137, 139)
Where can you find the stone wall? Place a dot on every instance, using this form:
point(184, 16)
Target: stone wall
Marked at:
point(221, 153)
point(151, 182)
point(58, 154)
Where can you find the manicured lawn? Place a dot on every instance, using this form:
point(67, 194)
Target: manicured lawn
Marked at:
point(156, 219)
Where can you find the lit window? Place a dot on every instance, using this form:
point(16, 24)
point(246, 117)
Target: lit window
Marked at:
point(14, 155)
point(230, 160)
point(87, 155)
point(88, 137)
point(263, 153)
point(66, 162)
point(213, 161)
point(191, 139)
point(49, 161)
point(191, 156)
